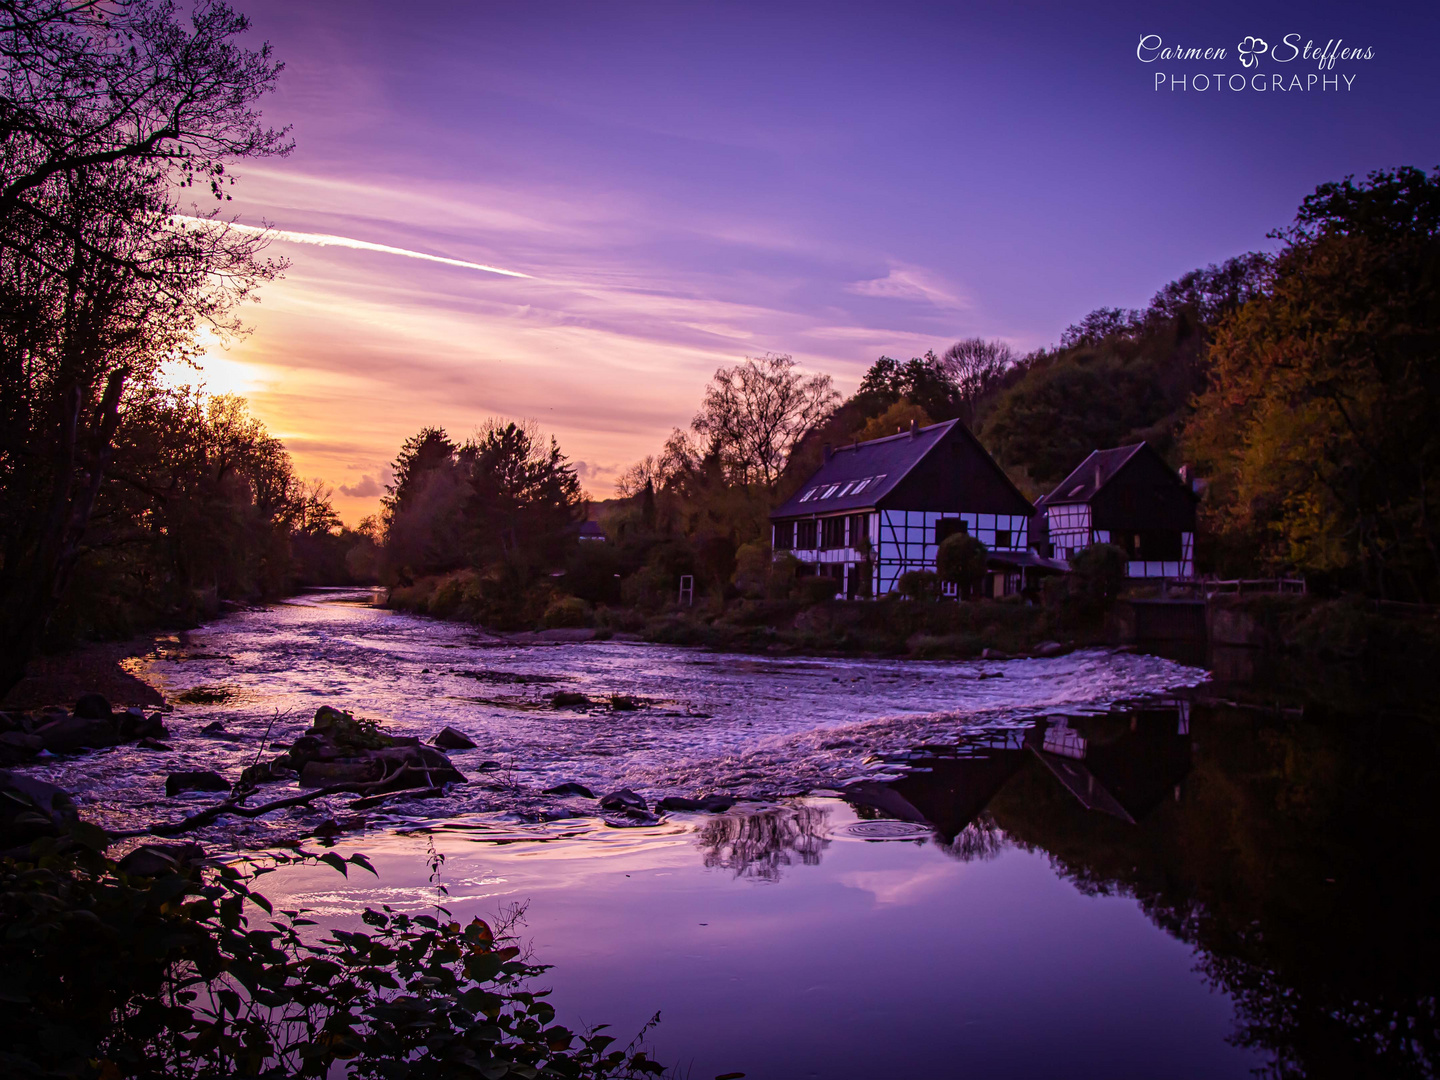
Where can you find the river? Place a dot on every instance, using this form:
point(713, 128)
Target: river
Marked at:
point(1077, 865)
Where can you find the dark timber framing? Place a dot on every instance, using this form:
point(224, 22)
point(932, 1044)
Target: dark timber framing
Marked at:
point(1128, 497)
point(877, 509)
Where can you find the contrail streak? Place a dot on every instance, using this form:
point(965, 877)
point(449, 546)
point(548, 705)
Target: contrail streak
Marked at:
point(327, 240)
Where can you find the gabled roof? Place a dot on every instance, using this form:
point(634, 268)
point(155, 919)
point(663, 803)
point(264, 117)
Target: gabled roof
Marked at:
point(1090, 476)
point(880, 463)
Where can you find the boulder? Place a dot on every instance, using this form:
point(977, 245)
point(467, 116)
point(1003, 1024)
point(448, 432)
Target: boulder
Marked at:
point(152, 860)
point(93, 707)
point(570, 699)
point(204, 780)
point(417, 766)
point(994, 654)
point(624, 799)
point(30, 809)
point(624, 702)
point(354, 771)
point(1049, 648)
point(16, 746)
point(267, 772)
point(71, 734)
point(712, 804)
point(450, 739)
point(570, 789)
point(153, 744)
point(134, 724)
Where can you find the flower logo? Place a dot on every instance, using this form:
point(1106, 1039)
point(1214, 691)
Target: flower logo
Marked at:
point(1250, 50)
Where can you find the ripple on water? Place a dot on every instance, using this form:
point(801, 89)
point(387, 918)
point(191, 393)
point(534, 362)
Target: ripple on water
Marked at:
point(749, 726)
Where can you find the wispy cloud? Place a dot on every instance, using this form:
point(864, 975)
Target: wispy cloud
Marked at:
point(909, 283)
point(328, 240)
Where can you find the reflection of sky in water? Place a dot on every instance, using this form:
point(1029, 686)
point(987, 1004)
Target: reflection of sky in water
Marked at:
point(827, 955)
point(753, 726)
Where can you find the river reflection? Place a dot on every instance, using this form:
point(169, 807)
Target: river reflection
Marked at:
point(759, 845)
point(1295, 853)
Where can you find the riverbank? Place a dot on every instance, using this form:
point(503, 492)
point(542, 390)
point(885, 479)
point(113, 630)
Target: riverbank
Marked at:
point(892, 627)
point(106, 668)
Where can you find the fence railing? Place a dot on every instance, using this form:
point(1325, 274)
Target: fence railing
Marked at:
point(1208, 587)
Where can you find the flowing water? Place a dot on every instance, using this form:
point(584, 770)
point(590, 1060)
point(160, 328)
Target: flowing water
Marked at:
point(1082, 865)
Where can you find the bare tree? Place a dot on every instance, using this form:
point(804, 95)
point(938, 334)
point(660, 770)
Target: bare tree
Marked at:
point(108, 110)
point(755, 413)
point(975, 367)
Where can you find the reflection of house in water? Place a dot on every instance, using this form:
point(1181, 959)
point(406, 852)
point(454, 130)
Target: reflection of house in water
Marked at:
point(1123, 764)
point(1125, 774)
point(761, 844)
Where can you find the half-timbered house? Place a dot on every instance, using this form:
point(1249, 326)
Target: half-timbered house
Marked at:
point(877, 509)
point(1128, 497)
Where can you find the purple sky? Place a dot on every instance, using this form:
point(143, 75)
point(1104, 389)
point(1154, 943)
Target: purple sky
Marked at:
point(689, 183)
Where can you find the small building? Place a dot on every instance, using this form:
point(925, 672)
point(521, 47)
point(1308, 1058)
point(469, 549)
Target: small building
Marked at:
point(875, 510)
point(591, 532)
point(1128, 497)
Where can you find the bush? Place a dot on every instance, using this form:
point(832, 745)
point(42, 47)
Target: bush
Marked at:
point(567, 611)
point(752, 570)
point(107, 975)
point(960, 561)
point(817, 589)
point(919, 585)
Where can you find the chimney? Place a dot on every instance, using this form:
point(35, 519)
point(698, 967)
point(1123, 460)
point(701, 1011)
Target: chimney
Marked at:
point(914, 429)
point(1097, 476)
point(828, 451)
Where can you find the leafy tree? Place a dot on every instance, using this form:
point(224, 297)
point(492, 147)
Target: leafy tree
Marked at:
point(1118, 377)
point(107, 113)
point(960, 561)
point(426, 450)
point(894, 420)
point(1318, 427)
point(525, 495)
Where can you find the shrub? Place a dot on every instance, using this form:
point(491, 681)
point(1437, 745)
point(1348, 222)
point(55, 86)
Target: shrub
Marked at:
point(753, 566)
point(567, 611)
point(817, 589)
point(960, 561)
point(919, 585)
point(111, 975)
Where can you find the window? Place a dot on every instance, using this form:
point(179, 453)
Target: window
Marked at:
point(859, 486)
point(830, 491)
point(859, 529)
point(784, 535)
point(1076, 490)
point(809, 495)
point(1002, 538)
point(805, 535)
point(832, 532)
point(1157, 546)
point(843, 491)
point(948, 527)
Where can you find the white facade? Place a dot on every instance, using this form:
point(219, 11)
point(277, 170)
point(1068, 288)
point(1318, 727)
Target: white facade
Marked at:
point(904, 540)
point(1070, 531)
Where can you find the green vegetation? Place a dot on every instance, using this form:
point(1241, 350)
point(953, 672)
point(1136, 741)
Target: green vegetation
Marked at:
point(188, 972)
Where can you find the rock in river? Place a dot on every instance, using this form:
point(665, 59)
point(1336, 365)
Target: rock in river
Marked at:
point(205, 780)
point(624, 799)
point(570, 789)
point(450, 739)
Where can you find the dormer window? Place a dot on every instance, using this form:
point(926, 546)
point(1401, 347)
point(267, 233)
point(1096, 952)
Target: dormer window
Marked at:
point(809, 495)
